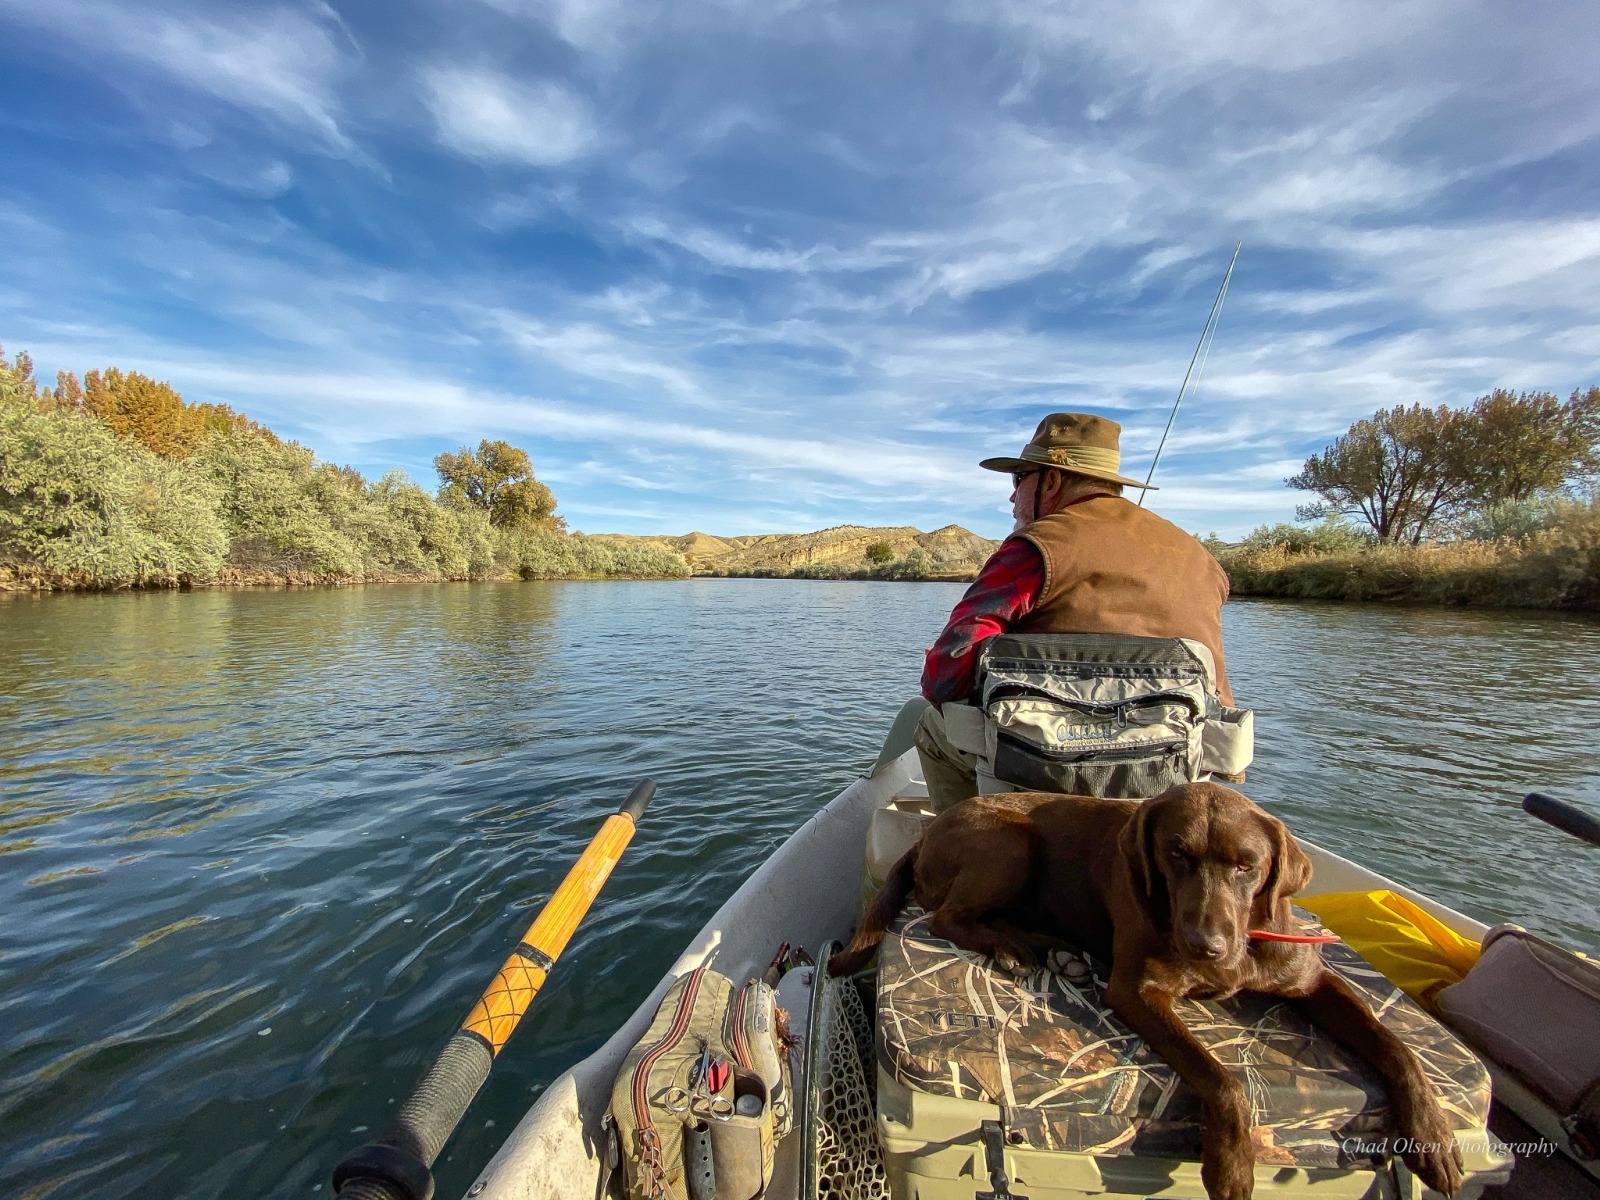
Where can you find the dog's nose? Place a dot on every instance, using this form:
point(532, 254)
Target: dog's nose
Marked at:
point(1213, 945)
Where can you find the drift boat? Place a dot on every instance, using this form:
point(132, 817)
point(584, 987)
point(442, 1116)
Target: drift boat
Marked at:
point(807, 894)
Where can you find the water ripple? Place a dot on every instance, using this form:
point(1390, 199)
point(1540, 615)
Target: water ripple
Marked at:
point(269, 845)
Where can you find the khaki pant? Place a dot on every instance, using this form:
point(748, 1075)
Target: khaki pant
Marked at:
point(951, 773)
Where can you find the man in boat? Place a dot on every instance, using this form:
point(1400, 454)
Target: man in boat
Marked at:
point(1081, 559)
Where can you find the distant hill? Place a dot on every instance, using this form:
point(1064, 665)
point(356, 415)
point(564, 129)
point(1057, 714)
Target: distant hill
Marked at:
point(840, 552)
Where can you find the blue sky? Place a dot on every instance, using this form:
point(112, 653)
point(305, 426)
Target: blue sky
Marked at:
point(758, 267)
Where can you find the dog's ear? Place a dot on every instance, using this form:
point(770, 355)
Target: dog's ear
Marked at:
point(1291, 869)
point(1137, 843)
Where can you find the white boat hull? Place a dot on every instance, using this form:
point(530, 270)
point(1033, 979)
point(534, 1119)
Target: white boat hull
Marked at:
point(806, 894)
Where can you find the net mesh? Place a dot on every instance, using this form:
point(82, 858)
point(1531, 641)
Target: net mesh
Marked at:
point(849, 1162)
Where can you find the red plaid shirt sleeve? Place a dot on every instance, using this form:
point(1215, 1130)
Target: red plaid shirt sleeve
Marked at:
point(1006, 589)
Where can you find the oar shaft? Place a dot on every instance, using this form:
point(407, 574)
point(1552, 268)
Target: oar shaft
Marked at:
point(398, 1166)
point(509, 994)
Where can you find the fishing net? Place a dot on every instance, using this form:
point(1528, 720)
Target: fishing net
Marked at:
point(845, 1161)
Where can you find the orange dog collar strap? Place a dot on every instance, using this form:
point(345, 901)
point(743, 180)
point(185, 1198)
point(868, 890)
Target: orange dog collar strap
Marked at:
point(1319, 939)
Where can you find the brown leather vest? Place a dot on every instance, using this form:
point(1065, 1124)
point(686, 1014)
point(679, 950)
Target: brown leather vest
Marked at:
point(1112, 567)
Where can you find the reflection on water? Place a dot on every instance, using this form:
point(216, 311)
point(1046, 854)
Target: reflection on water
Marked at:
point(259, 849)
point(1406, 739)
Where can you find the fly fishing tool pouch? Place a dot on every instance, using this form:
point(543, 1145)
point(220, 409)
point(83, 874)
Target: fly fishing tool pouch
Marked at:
point(699, 1104)
point(1534, 1007)
point(1102, 715)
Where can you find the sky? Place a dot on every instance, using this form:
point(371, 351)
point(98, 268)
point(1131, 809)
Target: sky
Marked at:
point(752, 267)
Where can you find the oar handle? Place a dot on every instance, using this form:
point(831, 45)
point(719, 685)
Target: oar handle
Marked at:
point(1567, 817)
point(398, 1166)
point(638, 800)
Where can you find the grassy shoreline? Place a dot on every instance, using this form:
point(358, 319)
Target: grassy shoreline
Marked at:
point(11, 586)
point(14, 581)
point(1555, 568)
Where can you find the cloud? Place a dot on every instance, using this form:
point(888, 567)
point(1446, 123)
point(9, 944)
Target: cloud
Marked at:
point(1521, 264)
point(283, 64)
point(594, 26)
point(486, 115)
point(1182, 38)
point(593, 352)
point(761, 260)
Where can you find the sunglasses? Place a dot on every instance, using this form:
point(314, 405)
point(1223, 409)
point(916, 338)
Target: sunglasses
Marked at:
point(1018, 476)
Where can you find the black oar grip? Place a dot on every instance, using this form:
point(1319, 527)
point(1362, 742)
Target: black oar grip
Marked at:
point(639, 799)
point(397, 1166)
point(1568, 818)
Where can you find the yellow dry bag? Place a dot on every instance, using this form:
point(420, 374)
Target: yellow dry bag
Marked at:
point(1408, 944)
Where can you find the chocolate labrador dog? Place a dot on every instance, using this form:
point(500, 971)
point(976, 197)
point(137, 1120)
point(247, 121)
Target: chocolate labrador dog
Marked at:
point(1176, 892)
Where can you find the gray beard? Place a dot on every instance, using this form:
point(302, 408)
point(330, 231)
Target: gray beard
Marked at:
point(1020, 524)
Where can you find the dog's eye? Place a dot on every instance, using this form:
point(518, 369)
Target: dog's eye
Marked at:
point(1244, 868)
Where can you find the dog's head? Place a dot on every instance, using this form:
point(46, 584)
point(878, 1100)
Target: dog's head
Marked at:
point(1211, 866)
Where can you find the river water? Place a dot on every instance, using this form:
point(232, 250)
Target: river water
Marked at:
point(259, 850)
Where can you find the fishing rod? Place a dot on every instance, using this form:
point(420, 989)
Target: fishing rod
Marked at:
point(1206, 336)
point(398, 1166)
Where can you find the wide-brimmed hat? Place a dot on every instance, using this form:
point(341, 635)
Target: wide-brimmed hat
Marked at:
point(1078, 442)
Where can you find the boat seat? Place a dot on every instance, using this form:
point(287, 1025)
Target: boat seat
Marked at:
point(1069, 1076)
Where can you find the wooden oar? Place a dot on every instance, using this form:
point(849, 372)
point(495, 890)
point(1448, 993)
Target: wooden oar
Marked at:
point(398, 1165)
point(1567, 817)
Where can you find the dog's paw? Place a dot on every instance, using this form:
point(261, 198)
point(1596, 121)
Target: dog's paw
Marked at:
point(1227, 1156)
point(1228, 1176)
point(1436, 1160)
point(1016, 959)
point(1429, 1148)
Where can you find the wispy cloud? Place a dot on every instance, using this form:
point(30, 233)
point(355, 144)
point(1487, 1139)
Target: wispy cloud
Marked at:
point(283, 64)
point(488, 115)
point(746, 266)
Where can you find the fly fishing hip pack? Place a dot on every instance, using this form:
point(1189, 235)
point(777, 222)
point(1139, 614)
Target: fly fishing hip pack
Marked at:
point(700, 1103)
point(1102, 715)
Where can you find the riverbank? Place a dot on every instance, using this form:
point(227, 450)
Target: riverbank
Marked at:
point(536, 556)
point(1553, 568)
point(128, 487)
point(906, 570)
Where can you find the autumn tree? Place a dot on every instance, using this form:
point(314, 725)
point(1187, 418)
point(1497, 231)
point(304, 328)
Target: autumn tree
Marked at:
point(1518, 446)
point(1397, 470)
point(143, 409)
point(149, 412)
point(17, 384)
point(499, 480)
point(68, 393)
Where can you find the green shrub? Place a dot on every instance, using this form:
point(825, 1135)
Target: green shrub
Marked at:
point(81, 506)
point(414, 533)
point(1514, 519)
point(917, 564)
point(1331, 536)
point(574, 556)
point(281, 517)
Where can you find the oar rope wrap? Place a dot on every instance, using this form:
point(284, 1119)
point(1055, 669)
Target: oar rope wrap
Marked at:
point(508, 995)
